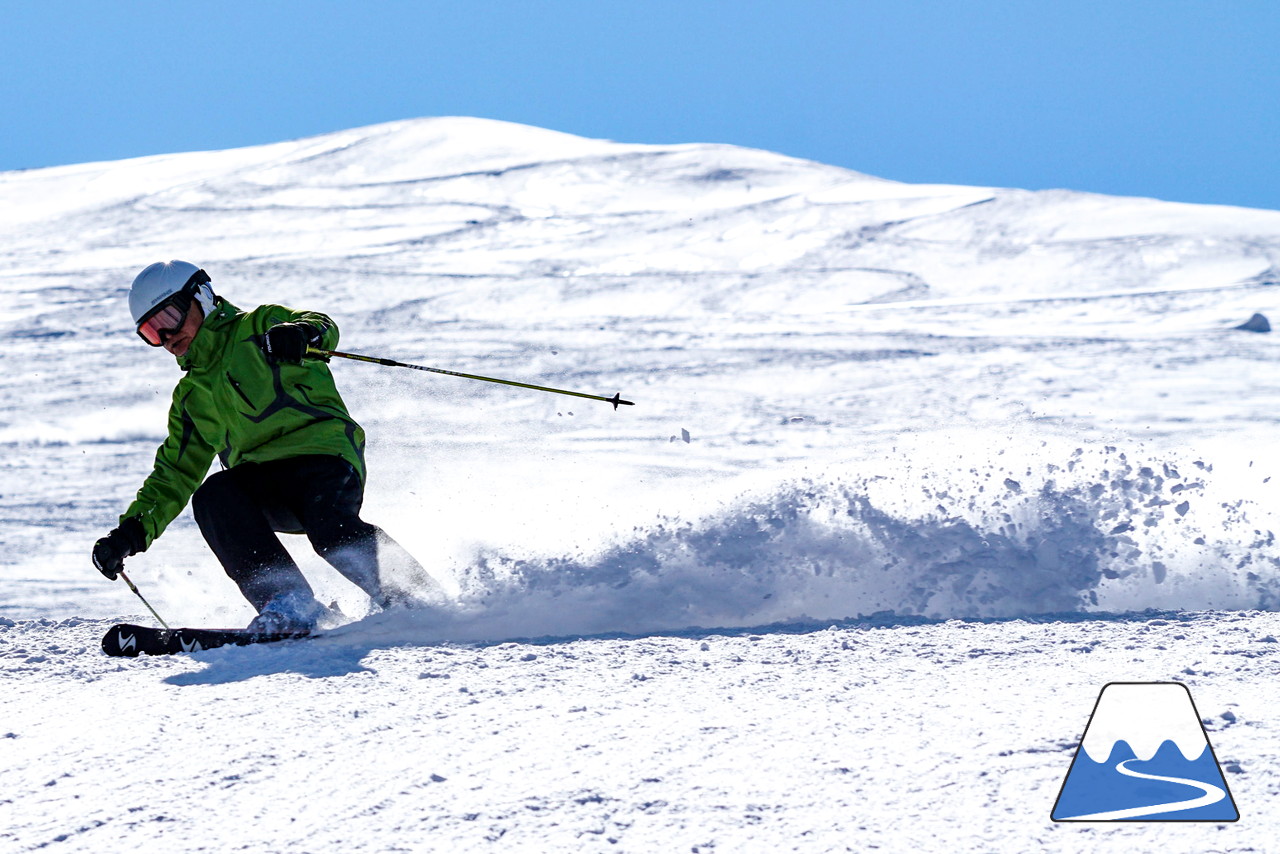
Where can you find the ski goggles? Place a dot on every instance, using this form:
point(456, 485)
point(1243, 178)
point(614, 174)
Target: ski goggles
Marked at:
point(168, 316)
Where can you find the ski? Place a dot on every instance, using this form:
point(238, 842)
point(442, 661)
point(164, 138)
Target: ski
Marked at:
point(131, 641)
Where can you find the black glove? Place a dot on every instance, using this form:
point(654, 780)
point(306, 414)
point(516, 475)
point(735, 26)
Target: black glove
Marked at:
point(288, 342)
point(110, 551)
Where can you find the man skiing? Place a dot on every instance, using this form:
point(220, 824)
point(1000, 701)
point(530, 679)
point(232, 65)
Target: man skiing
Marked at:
point(293, 458)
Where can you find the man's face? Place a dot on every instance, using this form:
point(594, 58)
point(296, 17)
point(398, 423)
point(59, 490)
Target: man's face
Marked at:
point(179, 342)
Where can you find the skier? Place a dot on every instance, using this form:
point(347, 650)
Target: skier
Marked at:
point(292, 456)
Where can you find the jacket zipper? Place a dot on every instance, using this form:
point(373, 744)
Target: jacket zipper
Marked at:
point(235, 385)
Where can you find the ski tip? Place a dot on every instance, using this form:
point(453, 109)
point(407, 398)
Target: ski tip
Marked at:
point(121, 640)
point(617, 399)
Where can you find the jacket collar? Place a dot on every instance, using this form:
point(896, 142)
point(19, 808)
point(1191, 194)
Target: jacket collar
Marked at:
point(207, 344)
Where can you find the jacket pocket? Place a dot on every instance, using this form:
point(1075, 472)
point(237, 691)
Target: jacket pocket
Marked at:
point(235, 385)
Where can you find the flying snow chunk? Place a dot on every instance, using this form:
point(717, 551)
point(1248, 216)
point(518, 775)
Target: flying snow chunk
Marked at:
point(1257, 323)
point(1145, 757)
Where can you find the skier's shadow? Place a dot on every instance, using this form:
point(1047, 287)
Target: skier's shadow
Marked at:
point(313, 659)
point(335, 652)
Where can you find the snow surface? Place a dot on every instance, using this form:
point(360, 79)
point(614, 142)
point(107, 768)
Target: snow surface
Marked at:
point(913, 472)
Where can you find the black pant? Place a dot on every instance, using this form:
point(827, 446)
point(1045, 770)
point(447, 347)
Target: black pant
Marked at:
point(240, 510)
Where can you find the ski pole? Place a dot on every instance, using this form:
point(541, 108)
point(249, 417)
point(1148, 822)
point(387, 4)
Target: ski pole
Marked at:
point(134, 588)
point(615, 400)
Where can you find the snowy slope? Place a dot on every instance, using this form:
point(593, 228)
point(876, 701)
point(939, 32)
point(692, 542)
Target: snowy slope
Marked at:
point(894, 737)
point(854, 397)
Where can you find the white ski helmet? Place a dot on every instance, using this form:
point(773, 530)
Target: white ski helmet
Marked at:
point(162, 280)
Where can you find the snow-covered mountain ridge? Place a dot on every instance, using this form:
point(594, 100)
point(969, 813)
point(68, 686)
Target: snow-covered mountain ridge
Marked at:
point(425, 192)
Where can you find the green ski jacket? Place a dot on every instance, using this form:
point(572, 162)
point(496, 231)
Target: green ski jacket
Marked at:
point(234, 404)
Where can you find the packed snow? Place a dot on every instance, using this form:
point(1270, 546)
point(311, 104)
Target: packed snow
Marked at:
point(913, 472)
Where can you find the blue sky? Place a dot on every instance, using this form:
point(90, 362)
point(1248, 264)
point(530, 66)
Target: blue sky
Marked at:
point(1167, 98)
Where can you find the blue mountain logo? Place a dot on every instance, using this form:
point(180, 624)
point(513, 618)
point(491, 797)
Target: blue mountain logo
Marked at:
point(1145, 757)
